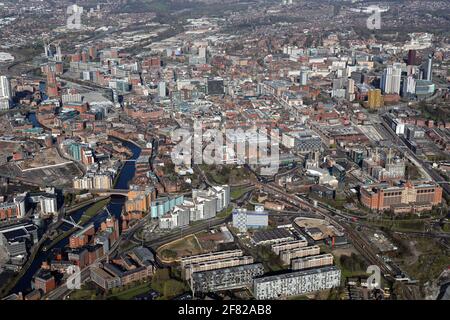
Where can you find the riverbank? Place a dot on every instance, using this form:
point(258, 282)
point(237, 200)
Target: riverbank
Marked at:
point(115, 206)
point(9, 286)
point(90, 213)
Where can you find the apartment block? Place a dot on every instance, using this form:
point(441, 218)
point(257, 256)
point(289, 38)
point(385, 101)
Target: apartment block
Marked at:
point(215, 264)
point(212, 256)
point(287, 255)
point(320, 260)
point(227, 278)
point(278, 247)
point(296, 283)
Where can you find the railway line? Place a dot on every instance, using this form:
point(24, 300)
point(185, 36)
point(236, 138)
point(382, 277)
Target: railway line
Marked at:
point(363, 246)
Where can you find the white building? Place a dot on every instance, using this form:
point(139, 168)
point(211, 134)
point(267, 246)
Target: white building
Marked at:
point(243, 219)
point(5, 93)
point(296, 283)
point(391, 79)
point(48, 204)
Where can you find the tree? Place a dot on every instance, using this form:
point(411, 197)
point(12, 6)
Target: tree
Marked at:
point(173, 288)
point(160, 276)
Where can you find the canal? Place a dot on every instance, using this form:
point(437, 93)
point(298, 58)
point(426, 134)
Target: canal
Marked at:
point(115, 207)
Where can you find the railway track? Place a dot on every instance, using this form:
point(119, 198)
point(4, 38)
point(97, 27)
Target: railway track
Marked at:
point(364, 247)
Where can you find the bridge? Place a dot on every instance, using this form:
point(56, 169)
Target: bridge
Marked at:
point(111, 192)
point(72, 223)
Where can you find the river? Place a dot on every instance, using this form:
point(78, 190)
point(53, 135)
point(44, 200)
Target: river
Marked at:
point(115, 207)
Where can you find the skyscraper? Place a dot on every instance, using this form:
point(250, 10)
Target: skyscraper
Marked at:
point(412, 57)
point(428, 69)
point(5, 88)
point(409, 86)
point(5, 93)
point(52, 85)
point(375, 100)
point(391, 79)
point(162, 89)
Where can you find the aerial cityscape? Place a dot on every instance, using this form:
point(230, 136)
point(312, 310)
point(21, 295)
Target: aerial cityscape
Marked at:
point(225, 150)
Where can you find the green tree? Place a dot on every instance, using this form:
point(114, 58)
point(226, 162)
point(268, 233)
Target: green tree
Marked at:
point(159, 278)
point(173, 288)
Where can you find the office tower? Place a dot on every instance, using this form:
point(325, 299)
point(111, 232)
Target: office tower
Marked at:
point(162, 89)
point(5, 88)
point(409, 86)
point(58, 56)
point(303, 77)
point(375, 99)
point(357, 76)
point(5, 93)
point(428, 68)
point(350, 86)
point(350, 90)
point(391, 79)
point(412, 57)
point(48, 204)
point(202, 52)
point(52, 86)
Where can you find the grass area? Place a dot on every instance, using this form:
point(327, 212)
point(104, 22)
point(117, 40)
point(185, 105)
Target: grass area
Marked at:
point(337, 203)
point(225, 174)
point(179, 248)
point(349, 270)
point(238, 192)
point(268, 258)
point(93, 210)
point(401, 225)
point(83, 294)
point(225, 213)
point(432, 260)
point(298, 298)
point(446, 227)
point(130, 293)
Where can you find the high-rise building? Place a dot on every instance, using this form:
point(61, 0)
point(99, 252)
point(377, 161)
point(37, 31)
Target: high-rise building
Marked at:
point(409, 86)
point(52, 85)
point(48, 204)
point(375, 99)
point(412, 57)
point(391, 79)
point(304, 75)
point(5, 88)
point(5, 93)
point(428, 69)
point(162, 89)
